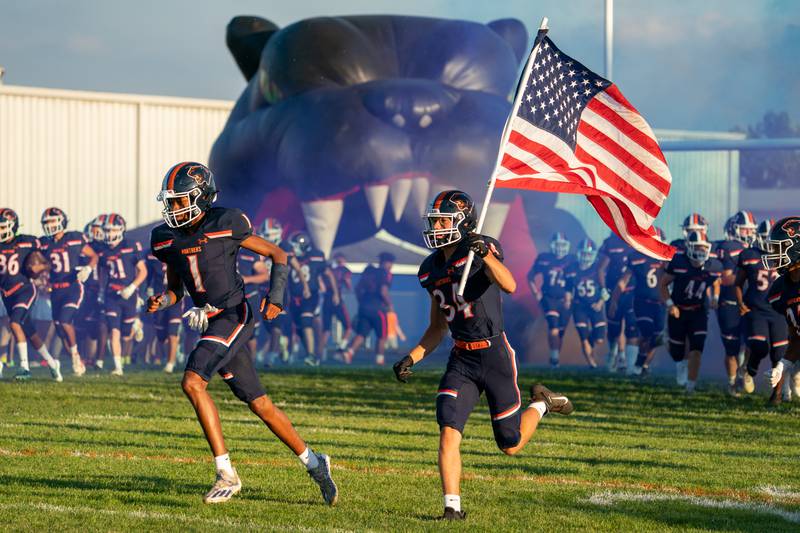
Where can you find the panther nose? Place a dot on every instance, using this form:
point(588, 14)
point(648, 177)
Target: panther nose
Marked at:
point(408, 103)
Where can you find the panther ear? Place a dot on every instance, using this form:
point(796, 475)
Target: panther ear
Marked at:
point(246, 37)
point(514, 33)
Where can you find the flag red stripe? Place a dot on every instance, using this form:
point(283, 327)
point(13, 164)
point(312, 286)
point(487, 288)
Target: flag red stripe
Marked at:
point(521, 168)
point(544, 184)
point(621, 186)
point(625, 157)
point(552, 159)
point(631, 230)
point(627, 128)
point(614, 92)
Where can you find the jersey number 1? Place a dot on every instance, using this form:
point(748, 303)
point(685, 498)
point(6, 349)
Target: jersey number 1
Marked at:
point(194, 268)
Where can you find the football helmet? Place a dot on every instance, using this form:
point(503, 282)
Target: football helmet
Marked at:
point(300, 242)
point(559, 244)
point(783, 253)
point(698, 249)
point(187, 192)
point(271, 230)
point(694, 222)
point(587, 253)
point(762, 234)
point(455, 206)
point(9, 224)
point(54, 221)
point(94, 229)
point(114, 229)
point(743, 227)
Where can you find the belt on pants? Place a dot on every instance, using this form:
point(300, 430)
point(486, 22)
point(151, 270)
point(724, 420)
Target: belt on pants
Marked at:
point(480, 344)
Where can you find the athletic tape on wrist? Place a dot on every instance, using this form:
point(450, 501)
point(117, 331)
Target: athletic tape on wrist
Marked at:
point(278, 276)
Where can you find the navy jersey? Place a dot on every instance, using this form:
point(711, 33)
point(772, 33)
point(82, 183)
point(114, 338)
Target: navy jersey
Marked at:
point(370, 287)
point(120, 263)
point(64, 255)
point(759, 279)
point(476, 315)
point(645, 274)
point(784, 297)
point(690, 283)
point(728, 254)
point(553, 271)
point(617, 252)
point(679, 245)
point(205, 256)
point(13, 255)
point(246, 265)
point(312, 266)
point(93, 282)
point(156, 274)
point(584, 284)
point(343, 277)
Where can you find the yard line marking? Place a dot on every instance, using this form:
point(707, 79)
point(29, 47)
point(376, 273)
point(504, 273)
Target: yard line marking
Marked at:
point(608, 498)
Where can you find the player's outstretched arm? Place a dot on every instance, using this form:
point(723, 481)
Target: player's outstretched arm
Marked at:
point(171, 296)
point(272, 303)
point(433, 335)
point(263, 247)
point(495, 269)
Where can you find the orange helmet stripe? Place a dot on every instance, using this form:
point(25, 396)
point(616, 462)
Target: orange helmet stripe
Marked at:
point(439, 199)
point(175, 169)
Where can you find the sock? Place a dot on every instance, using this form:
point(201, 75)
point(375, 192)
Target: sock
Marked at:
point(118, 362)
point(740, 358)
point(732, 380)
point(631, 352)
point(554, 355)
point(453, 501)
point(309, 459)
point(223, 464)
point(22, 350)
point(690, 385)
point(45, 353)
point(613, 351)
point(541, 407)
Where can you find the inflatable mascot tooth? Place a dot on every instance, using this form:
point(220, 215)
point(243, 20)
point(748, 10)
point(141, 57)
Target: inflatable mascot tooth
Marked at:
point(349, 124)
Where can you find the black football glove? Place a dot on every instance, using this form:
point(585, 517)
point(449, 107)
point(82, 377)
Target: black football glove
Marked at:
point(477, 245)
point(402, 368)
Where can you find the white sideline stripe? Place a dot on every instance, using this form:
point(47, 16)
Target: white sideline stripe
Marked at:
point(608, 498)
point(778, 492)
point(149, 515)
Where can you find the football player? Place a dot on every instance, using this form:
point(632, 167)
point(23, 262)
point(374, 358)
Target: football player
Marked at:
point(167, 324)
point(481, 359)
point(685, 286)
point(255, 273)
point(589, 297)
point(64, 250)
point(20, 259)
point(374, 302)
point(553, 296)
point(305, 286)
point(643, 274)
point(693, 222)
point(92, 324)
point(126, 270)
point(767, 332)
point(343, 279)
point(199, 244)
point(613, 264)
point(783, 257)
point(271, 230)
point(740, 233)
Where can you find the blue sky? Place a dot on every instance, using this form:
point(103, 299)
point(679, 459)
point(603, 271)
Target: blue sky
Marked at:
point(686, 64)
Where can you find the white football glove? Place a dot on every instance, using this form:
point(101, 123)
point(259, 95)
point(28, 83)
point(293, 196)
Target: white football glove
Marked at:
point(128, 291)
point(605, 294)
point(83, 273)
point(776, 373)
point(198, 317)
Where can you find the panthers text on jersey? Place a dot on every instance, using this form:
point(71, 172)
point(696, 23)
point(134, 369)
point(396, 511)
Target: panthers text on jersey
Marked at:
point(204, 256)
point(758, 279)
point(476, 315)
point(645, 274)
point(13, 255)
point(690, 283)
point(553, 271)
point(64, 255)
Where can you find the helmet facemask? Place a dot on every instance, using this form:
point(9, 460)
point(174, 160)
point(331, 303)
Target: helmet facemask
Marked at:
point(446, 235)
point(559, 247)
point(586, 258)
point(745, 233)
point(113, 235)
point(52, 225)
point(188, 211)
point(698, 251)
point(777, 255)
point(6, 230)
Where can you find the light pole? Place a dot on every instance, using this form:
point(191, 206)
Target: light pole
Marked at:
point(609, 34)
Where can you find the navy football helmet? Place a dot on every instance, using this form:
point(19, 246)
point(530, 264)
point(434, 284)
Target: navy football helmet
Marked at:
point(187, 192)
point(458, 207)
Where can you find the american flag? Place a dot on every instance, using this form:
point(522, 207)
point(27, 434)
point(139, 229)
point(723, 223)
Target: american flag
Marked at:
point(574, 132)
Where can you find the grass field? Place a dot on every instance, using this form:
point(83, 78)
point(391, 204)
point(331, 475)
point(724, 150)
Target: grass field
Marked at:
point(127, 455)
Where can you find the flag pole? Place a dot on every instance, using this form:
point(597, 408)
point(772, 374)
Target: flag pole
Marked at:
point(506, 133)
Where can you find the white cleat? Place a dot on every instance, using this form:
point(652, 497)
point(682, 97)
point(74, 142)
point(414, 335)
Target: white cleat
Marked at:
point(748, 383)
point(169, 368)
point(322, 477)
point(224, 488)
point(682, 373)
point(138, 330)
point(796, 384)
point(55, 371)
point(117, 372)
point(78, 368)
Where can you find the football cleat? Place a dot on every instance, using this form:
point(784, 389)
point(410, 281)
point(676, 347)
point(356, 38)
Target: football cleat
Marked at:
point(682, 373)
point(311, 361)
point(98, 364)
point(733, 391)
point(796, 384)
point(78, 368)
point(169, 368)
point(555, 402)
point(321, 475)
point(452, 514)
point(23, 375)
point(380, 360)
point(224, 488)
point(55, 371)
point(117, 372)
point(748, 384)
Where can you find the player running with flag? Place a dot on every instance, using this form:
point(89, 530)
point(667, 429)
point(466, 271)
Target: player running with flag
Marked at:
point(199, 243)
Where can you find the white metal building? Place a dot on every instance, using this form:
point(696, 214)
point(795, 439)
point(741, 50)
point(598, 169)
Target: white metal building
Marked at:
point(89, 151)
